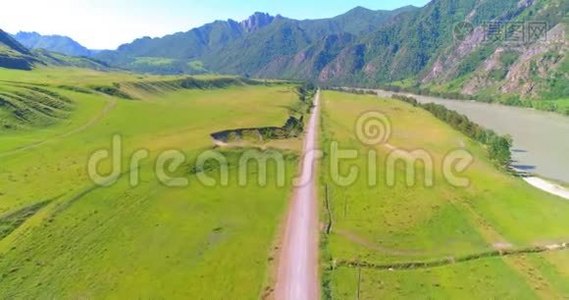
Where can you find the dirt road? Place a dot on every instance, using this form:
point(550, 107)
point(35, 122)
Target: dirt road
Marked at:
point(297, 277)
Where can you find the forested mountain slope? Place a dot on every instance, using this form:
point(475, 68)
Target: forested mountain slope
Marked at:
point(245, 47)
point(416, 48)
point(483, 49)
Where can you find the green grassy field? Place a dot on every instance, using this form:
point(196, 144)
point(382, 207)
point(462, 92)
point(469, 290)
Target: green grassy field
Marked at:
point(63, 237)
point(562, 105)
point(398, 224)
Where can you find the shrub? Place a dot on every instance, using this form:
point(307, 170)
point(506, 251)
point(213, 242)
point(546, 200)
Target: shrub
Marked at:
point(112, 91)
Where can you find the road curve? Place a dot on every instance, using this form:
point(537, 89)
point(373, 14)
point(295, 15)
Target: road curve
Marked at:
point(297, 277)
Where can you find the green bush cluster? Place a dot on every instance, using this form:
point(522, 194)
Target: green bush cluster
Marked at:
point(112, 91)
point(354, 91)
point(306, 92)
point(510, 100)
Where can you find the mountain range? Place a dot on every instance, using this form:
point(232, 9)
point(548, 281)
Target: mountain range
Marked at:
point(53, 43)
point(467, 47)
point(14, 55)
point(255, 42)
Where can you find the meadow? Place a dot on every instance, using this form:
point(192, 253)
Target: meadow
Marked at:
point(61, 236)
point(389, 224)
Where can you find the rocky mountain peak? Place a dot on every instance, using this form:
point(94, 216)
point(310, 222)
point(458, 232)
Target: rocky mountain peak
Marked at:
point(256, 21)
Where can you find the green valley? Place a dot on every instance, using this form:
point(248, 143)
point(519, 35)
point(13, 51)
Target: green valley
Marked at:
point(386, 224)
point(63, 236)
point(298, 150)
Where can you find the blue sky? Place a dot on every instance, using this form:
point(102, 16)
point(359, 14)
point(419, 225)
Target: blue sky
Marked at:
point(105, 24)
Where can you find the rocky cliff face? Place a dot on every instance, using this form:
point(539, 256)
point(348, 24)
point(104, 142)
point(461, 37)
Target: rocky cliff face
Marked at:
point(525, 67)
point(256, 21)
point(537, 63)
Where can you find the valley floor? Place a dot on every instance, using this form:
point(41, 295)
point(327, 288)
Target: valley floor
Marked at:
point(62, 236)
point(397, 224)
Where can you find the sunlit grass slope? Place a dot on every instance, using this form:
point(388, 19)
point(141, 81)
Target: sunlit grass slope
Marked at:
point(397, 224)
point(63, 237)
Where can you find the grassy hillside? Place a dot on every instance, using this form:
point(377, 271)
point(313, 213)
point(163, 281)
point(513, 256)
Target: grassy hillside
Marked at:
point(389, 224)
point(56, 59)
point(13, 55)
point(63, 236)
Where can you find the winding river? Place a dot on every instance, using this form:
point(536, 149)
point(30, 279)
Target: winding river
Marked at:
point(541, 139)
